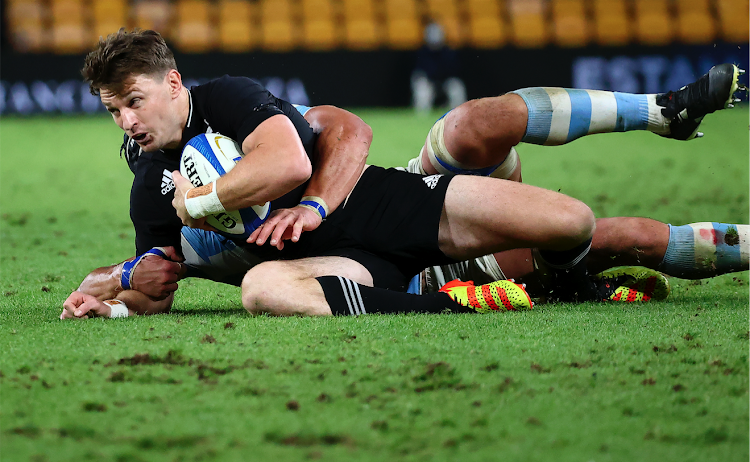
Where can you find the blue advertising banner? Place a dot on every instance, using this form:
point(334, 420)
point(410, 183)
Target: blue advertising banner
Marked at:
point(38, 84)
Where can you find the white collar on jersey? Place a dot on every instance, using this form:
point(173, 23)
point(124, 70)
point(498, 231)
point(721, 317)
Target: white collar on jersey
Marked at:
point(190, 112)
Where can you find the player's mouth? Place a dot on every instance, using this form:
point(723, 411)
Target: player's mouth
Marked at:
point(140, 138)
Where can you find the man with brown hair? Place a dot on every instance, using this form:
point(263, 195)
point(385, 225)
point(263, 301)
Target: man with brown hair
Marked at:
point(391, 226)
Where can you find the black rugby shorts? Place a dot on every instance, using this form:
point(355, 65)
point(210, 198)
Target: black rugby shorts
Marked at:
point(389, 224)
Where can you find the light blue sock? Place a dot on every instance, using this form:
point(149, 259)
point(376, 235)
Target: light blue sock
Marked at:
point(703, 250)
point(560, 115)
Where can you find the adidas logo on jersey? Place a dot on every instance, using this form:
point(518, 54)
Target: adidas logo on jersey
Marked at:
point(431, 181)
point(166, 182)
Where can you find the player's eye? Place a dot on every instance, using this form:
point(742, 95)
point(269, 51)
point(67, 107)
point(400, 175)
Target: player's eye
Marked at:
point(134, 102)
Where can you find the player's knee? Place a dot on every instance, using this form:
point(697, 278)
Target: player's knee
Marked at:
point(260, 288)
point(576, 220)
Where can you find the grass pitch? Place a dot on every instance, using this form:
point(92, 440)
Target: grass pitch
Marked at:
point(664, 381)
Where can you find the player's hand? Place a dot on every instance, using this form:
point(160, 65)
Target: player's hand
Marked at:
point(83, 306)
point(156, 276)
point(285, 224)
point(181, 187)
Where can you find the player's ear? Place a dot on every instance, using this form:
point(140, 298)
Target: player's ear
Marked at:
point(174, 79)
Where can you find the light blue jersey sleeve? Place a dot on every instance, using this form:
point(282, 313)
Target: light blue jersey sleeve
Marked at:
point(301, 109)
point(415, 285)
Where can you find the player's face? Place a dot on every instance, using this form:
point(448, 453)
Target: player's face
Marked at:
point(148, 110)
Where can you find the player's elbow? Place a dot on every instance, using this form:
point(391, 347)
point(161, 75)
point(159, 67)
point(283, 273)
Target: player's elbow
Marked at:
point(361, 132)
point(299, 170)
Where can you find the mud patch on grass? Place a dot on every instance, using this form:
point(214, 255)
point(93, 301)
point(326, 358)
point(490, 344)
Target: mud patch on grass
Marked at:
point(167, 442)
point(508, 384)
point(144, 378)
point(14, 220)
point(581, 365)
point(292, 405)
point(533, 421)
point(29, 431)
point(93, 407)
point(539, 369)
point(77, 433)
point(173, 357)
point(491, 367)
point(436, 376)
point(306, 440)
point(206, 372)
point(380, 425)
point(662, 349)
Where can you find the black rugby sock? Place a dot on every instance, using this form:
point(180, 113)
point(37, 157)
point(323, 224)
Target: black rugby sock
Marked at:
point(570, 276)
point(346, 297)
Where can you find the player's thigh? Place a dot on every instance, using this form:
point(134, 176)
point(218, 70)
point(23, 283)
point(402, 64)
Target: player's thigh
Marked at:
point(282, 272)
point(487, 215)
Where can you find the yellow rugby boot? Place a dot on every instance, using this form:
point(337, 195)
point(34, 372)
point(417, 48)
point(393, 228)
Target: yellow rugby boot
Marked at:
point(631, 284)
point(503, 295)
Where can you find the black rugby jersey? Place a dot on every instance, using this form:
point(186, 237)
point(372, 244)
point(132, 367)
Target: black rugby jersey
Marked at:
point(232, 106)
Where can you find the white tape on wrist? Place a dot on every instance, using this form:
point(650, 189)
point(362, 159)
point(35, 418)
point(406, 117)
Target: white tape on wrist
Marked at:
point(118, 308)
point(207, 204)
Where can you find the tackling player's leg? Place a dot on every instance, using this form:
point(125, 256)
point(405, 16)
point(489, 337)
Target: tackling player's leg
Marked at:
point(692, 251)
point(478, 136)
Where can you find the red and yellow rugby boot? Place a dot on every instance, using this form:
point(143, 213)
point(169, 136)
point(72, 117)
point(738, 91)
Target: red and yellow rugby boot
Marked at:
point(630, 284)
point(503, 295)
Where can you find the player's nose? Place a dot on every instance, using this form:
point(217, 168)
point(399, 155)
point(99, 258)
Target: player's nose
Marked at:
point(129, 120)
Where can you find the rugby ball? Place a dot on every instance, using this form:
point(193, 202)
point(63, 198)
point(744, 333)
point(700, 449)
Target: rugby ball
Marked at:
point(205, 158)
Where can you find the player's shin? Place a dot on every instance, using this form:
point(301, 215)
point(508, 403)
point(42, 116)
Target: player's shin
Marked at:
point(346, 297)
point(561, 115)
point(703, 250)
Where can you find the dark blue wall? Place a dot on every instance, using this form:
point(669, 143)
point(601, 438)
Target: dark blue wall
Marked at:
point(48, 83)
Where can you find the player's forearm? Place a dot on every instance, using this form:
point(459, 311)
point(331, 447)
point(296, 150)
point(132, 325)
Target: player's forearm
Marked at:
point(257, 182)
point(275, 163)
point(341, 152)
point(142, 304)
point(103, 283)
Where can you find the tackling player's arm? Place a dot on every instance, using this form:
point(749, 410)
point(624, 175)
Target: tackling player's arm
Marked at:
point(154, 276)
point(340, 154)
point(80, 305)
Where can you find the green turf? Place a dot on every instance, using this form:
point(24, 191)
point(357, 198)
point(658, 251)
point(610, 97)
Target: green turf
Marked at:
point(664, 381)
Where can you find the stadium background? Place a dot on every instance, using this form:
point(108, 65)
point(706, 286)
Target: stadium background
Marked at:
point(360, 53)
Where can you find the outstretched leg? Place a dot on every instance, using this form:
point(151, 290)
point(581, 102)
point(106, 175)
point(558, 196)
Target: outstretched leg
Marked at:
point(478, 137)
point(692, 251)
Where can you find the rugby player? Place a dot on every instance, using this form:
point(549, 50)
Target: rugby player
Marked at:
point(393, 224)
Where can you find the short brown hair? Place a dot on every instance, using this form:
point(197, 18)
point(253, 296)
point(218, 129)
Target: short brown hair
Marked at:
point(123, 55)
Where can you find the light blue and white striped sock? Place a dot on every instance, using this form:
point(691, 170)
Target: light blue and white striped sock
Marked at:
point(561, 115)
point(704, 250)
